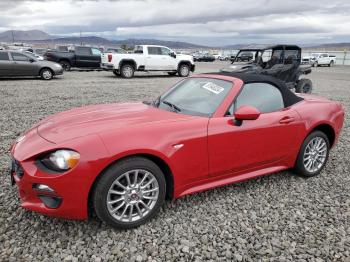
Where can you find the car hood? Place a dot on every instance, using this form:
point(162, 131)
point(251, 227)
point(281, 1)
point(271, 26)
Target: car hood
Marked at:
point(97, 119)
point(184, 57)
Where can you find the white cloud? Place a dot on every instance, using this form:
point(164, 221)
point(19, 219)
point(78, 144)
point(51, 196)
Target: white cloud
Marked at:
point(203, 21)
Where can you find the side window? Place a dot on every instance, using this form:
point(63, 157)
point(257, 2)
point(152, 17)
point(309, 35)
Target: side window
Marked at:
point(95, 51)
point(83, 50)
point(4, 56)
point(19, 57)
point(152, 50)
point(165, 51)
point(264, 97)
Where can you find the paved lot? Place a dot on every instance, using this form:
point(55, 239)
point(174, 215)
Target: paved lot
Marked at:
point(280, 217)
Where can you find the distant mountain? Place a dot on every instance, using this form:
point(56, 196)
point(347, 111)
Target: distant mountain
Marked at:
point(331, 46)
point(171, 44)
point(18, 35)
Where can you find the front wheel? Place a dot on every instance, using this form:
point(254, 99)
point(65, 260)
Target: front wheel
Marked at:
point(184, 70)
point(304, 86)
point(129, 193)
point(313, 154)
point(46, 74)
point(115, 72)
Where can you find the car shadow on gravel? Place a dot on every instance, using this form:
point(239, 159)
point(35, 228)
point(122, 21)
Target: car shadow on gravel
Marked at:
point(29, 78)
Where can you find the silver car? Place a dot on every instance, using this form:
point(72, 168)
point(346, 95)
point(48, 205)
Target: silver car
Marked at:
point(17, 64)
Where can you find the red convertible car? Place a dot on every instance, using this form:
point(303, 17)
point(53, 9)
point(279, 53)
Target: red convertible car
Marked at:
point(209, 130)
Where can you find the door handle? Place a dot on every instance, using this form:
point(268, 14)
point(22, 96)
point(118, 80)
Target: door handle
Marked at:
point(287, 120)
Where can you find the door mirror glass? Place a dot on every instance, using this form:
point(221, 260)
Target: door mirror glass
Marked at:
point(246, 113)
point(172, 54)
point(31, 60)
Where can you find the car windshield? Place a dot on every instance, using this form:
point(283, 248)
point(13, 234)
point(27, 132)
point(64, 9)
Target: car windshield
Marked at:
point(195, 96)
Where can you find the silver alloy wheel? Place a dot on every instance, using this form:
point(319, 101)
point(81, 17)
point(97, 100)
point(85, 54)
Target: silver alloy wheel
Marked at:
point(184, 70)
point(127, 71)
point(315, 154)
point(47, 74)
point(132, 195)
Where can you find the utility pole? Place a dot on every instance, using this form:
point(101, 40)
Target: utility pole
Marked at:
point(13, 37)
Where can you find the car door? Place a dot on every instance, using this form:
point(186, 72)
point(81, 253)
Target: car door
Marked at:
point(23, 65)
point(169, 61)
point(255, 143)
point(83, 56)
point(5, 64)
point(154, 58)
point(96, 57)
point(323, 60)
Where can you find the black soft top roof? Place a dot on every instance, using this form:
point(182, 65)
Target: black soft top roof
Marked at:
point(266, 47)
point(289, 97)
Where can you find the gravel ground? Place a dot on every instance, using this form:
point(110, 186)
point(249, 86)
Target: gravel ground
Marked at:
point(280, 217)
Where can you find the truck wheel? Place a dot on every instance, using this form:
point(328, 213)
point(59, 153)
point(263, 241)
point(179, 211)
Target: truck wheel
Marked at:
point(315, 64)
point(331, 64)
point(115, 72)
point(65, 65)
point(46, 74)
point(184, 70)
point(304, 86)
point(127, 71)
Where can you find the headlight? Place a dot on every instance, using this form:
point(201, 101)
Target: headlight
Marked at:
point(61, 160)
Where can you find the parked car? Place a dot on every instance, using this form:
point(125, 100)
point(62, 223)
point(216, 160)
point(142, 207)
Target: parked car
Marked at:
point(207, 131)
point(81, 57)
point(204, 58)
point(308, 60)
point(242, 56)
point(17, 64)
point(148, 58)
point(280, 61)
point(324, 59)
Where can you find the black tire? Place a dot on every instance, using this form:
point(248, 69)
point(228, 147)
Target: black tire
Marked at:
point(304, 86)
point(183, 70)
point(299, 167)
point(100, 193)
point(331, 64)
point(172, 73)
point(65, 65)
point(46, 74)
point(127, 71)
point(116, 73)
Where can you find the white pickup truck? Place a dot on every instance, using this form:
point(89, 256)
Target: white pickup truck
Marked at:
point(324, 59)
point(148, 58)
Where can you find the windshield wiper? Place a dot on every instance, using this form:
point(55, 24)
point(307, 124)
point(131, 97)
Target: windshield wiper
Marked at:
point(174, 107)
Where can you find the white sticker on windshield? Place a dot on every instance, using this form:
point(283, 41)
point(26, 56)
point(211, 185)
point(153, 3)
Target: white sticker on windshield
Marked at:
point(213, 88)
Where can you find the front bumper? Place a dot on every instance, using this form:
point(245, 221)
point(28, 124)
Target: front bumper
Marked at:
point(68, 192)
point(58, 71)
point(193, 67)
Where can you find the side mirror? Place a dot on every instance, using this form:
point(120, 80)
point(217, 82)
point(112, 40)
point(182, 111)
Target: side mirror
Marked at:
point(246, 113)
point(172, 54)
point(31, 60)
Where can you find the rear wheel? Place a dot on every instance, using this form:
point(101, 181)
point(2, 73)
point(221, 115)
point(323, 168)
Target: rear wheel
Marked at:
point(65, 65)
point(331, 64)
point(46, 74)
point(184, 70)
point(129, 193)
point(127, 71)
point(304, 86)
point(313, 154)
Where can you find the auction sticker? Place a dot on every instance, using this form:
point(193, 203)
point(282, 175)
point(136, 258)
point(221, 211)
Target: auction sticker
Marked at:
point(213, 88)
